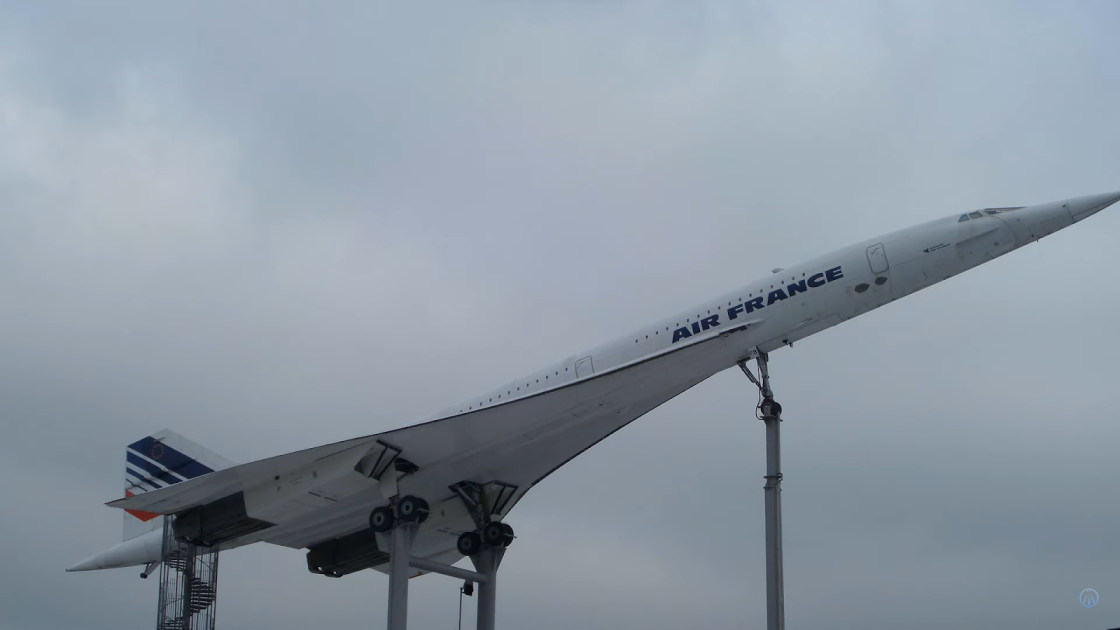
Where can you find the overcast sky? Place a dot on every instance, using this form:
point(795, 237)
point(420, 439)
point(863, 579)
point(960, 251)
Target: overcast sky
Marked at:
point(269, 226)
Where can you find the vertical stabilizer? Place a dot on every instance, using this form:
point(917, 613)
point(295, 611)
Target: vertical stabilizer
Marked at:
point(158, 461)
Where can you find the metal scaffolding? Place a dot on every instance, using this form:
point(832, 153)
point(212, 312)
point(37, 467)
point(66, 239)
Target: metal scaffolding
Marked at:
point(188, 584)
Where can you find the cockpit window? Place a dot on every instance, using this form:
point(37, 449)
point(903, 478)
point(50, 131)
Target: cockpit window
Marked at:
point(988, 211)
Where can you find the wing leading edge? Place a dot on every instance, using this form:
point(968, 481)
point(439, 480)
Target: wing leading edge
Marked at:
point(515, 444)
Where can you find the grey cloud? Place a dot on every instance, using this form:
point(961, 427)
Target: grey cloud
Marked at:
point(269, 226)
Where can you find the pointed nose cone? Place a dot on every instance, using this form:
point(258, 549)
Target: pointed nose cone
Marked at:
point(89, 564)
point(1083, 207)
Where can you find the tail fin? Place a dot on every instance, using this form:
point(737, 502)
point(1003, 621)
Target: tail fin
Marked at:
point(157, 461)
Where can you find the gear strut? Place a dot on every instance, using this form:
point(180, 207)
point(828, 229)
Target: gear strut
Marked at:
point(771, 415)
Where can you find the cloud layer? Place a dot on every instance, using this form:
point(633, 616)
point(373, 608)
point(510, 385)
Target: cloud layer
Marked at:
point(269, 227)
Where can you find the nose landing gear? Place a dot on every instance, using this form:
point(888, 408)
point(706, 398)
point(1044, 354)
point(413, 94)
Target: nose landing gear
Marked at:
point(770, 412)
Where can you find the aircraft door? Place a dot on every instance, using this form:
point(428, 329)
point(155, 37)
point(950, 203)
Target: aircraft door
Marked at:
point(877, 258)
point(584, 367)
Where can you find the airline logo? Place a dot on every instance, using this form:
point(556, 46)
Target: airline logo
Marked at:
point(151, 465)
point(777, 295)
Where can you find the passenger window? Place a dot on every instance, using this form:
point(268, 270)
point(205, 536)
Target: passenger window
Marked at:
point(964, 217)
point(975, 215)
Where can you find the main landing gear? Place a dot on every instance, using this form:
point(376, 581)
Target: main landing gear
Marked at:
point(408, 510)
point(770, 412)
point(486, 546)
point(493, 534)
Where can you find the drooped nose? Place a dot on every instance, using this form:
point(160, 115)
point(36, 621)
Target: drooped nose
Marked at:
point(1083, 207)
point(1034, 222)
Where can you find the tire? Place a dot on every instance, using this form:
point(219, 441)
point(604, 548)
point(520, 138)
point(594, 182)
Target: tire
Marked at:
point(508, 538)
point(469, 544)
point(412, 509)
point(381, 520)
point(494, 534)
point(771, 408)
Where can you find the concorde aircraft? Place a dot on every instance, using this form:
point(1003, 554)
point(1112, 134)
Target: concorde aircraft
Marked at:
point(455, 476)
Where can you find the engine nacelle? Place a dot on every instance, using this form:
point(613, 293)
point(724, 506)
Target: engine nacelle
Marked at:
point(346, 555)
point(216, 522)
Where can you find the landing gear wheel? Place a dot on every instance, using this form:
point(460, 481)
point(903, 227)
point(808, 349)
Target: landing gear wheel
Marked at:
point(508, 535)
point(381, 519)
point(412, 509)
point(469, 544)
point(770, 407)
point(494, 534)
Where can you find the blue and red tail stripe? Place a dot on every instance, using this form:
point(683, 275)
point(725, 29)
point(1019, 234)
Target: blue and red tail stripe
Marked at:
point(140, 514)
point(151, 470)
point(169, 458)
point(139, 482)
point(151, 465)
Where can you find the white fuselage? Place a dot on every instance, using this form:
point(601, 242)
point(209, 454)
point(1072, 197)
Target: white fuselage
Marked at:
point(804, 299)
point(780, 309)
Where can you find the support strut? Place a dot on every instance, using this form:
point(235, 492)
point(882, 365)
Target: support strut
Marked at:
point(771, 413)
point(486, 562)
point(399, 558)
